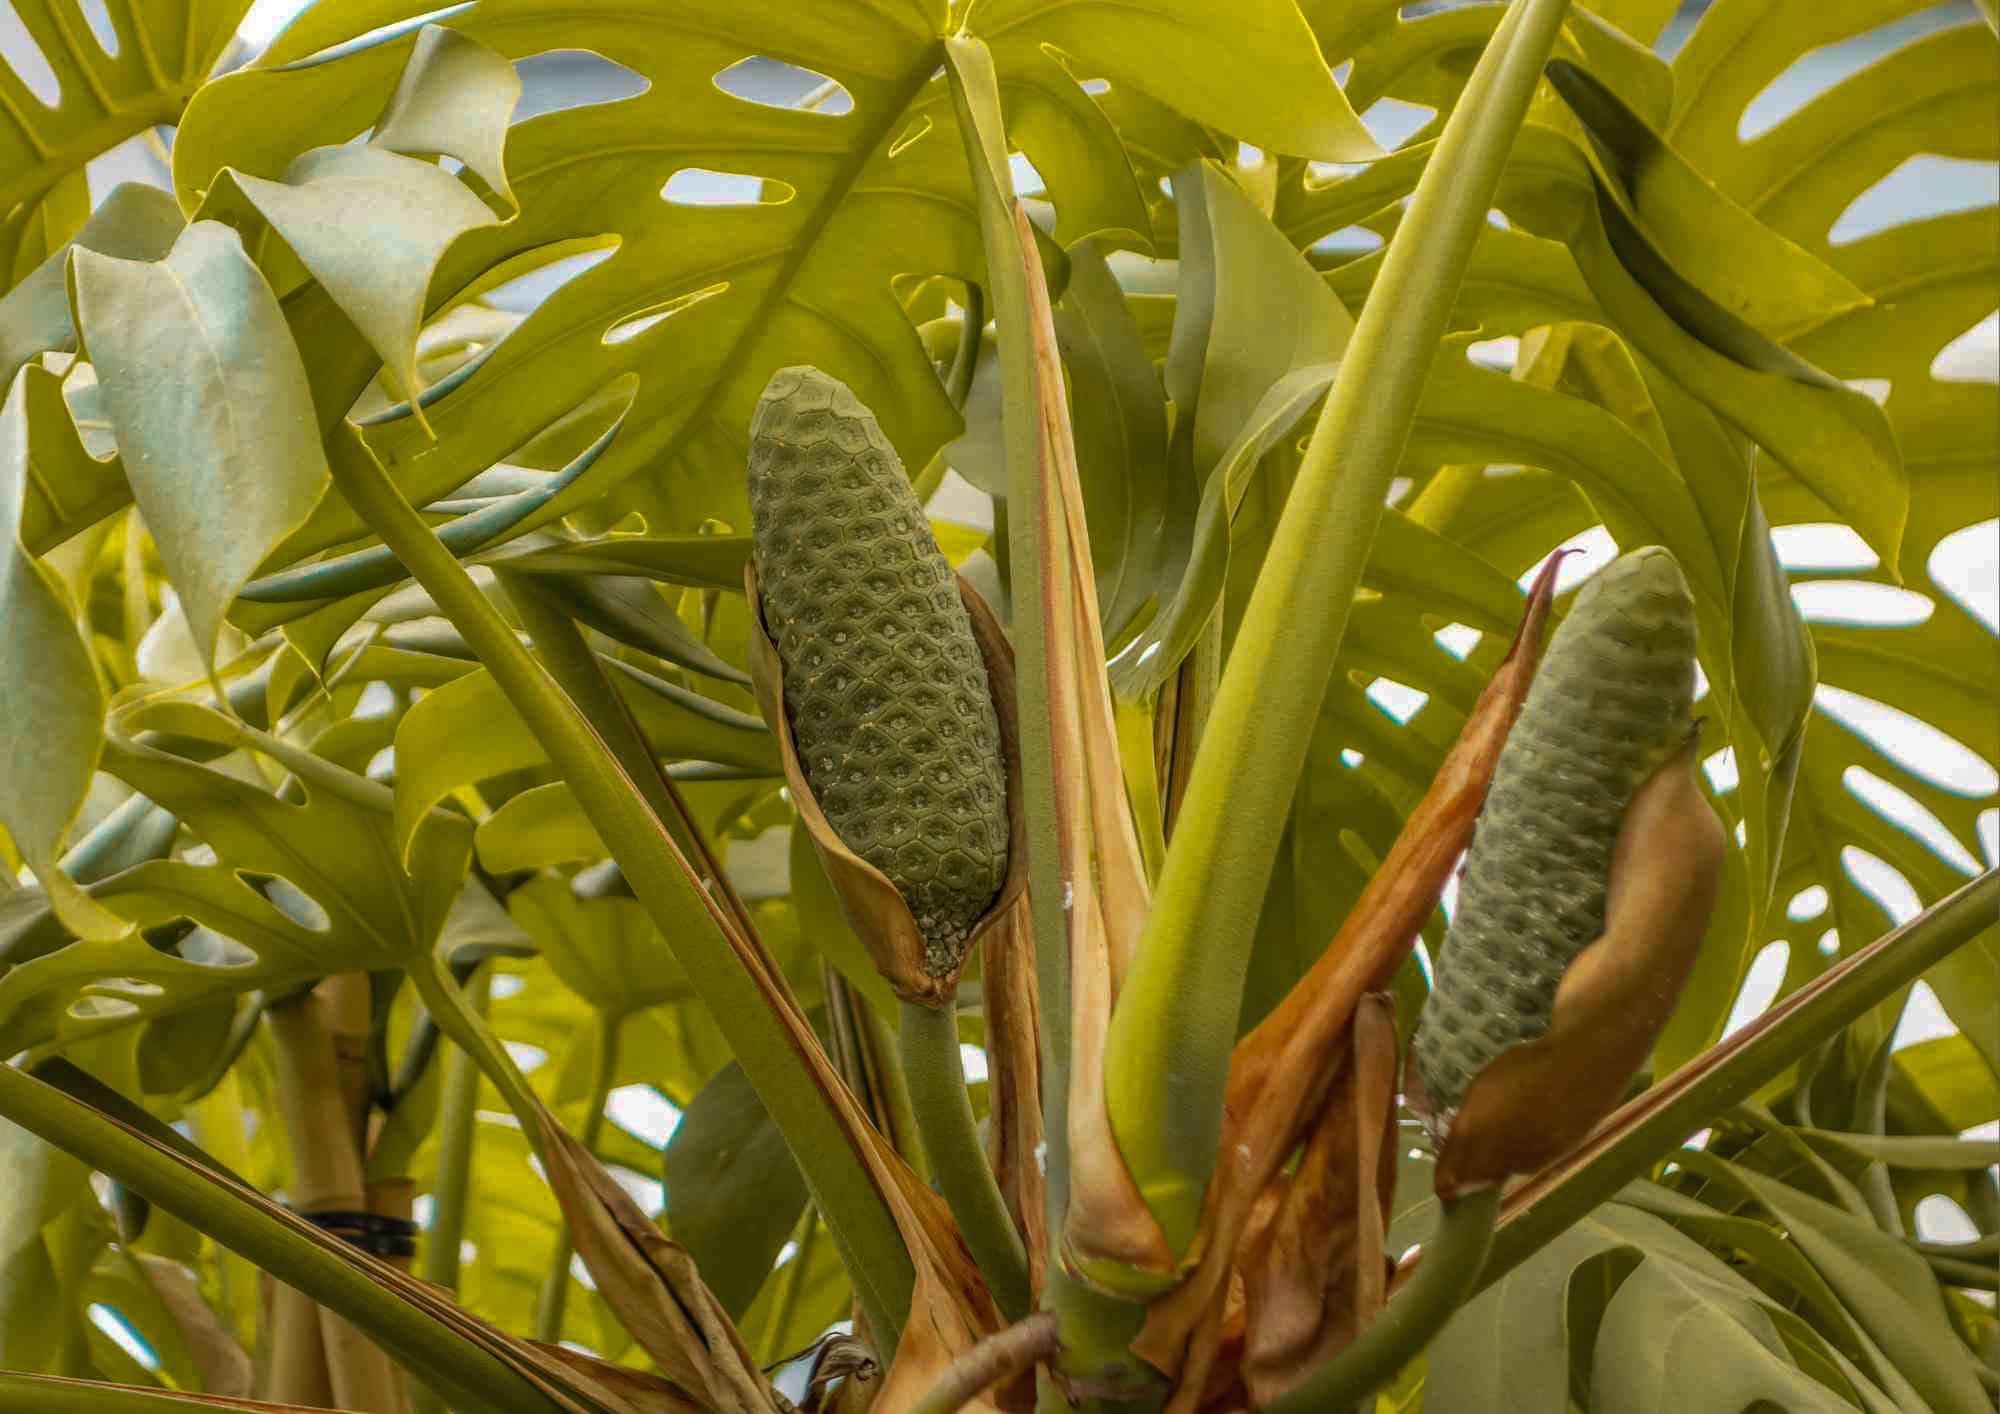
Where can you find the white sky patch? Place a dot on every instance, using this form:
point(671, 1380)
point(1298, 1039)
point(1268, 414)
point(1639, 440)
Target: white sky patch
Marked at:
point(1911, 742)
point(1397, 699)
point(1594, 549)
point(1760, 986)
point(643, 1112)
point(123, 1335)
point(1807, 903)
point(973, 1059)
point(1458, 640)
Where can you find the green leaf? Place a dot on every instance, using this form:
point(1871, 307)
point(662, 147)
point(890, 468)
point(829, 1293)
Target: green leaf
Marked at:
point(135, 222)
point(1669, 1343)
point(1696, 250)
point(371, 227)
point(209, 403)
point(107, 94)
point(1888, 1287)
point(1120, 420)
point(697, 561)
point(734, 1192)
point(606, 950)
point(49, 692)
point(339, 900)
point(466, 731)
point(455, 98)
point(43, 1183)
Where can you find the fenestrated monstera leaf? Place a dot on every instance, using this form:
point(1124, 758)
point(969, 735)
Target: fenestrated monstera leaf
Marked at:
point(840, 203)
point(106, 91)
point(331, 893)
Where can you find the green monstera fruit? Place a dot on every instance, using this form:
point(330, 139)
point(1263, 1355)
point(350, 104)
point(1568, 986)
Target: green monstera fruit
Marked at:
point(886, 690)
point(1610, 703)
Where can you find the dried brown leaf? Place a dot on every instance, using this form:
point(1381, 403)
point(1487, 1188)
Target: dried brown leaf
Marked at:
point(223, 1364)
point(650, 1283)
point(1279, 1072)
point(1316, 1276)
point(1013, 1067)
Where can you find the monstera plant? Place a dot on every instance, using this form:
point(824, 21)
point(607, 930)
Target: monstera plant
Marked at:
point(538, 878)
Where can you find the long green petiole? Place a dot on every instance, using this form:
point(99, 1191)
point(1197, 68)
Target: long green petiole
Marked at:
point(684, 912)
point(1656, 1122)
point(1452, 1261)
point(471, 1377)
point(936, 1074)
point(1167, 1060)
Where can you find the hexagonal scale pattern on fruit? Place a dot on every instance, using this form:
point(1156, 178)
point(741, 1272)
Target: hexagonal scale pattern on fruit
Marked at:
point(885, 687)
point(1611, 699)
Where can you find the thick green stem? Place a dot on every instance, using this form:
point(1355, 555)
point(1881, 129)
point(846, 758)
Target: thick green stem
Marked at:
point(1096, 1329)
point(1167, 1060)
point(603, 1070)
point(568, 657)
point(1452, 1258)
point(936, 1073)
point(471, 1377)
point(1655, 1123)
point(684, 912)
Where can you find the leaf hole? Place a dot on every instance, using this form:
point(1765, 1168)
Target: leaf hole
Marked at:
point(639, 321)
point(1919, 188)
point(560, 79)
point(1760, 985)
point(704, 186)
point(1096, 88)
point(1347, 243)
point(1822, 545)
point(1027, 181)
point(123, 1334)
point(1882, 882)
point(1972, 357)
point(103, 29)
point(293, 902)
point(1399, 700)
point(1817, 71)
point(912, 132)
point(1807, 904)
point(1496, 354)
point(776, 84)
point(1911, 742)
point(1392, 122)
point(204, 947)
point(1902, 810)
point(1939, 1219)
point(1856, 601)
point(1458, 640)
point(644, 1113)
point(1966, 566)
point(1924, 1019)
point(25, 58)
point(1829, 943)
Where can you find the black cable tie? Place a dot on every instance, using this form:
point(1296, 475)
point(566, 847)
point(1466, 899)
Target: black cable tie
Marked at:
point(375, 1233)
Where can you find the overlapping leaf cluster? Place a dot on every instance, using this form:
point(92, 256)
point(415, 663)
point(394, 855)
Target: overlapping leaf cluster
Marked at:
point(245, 753)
